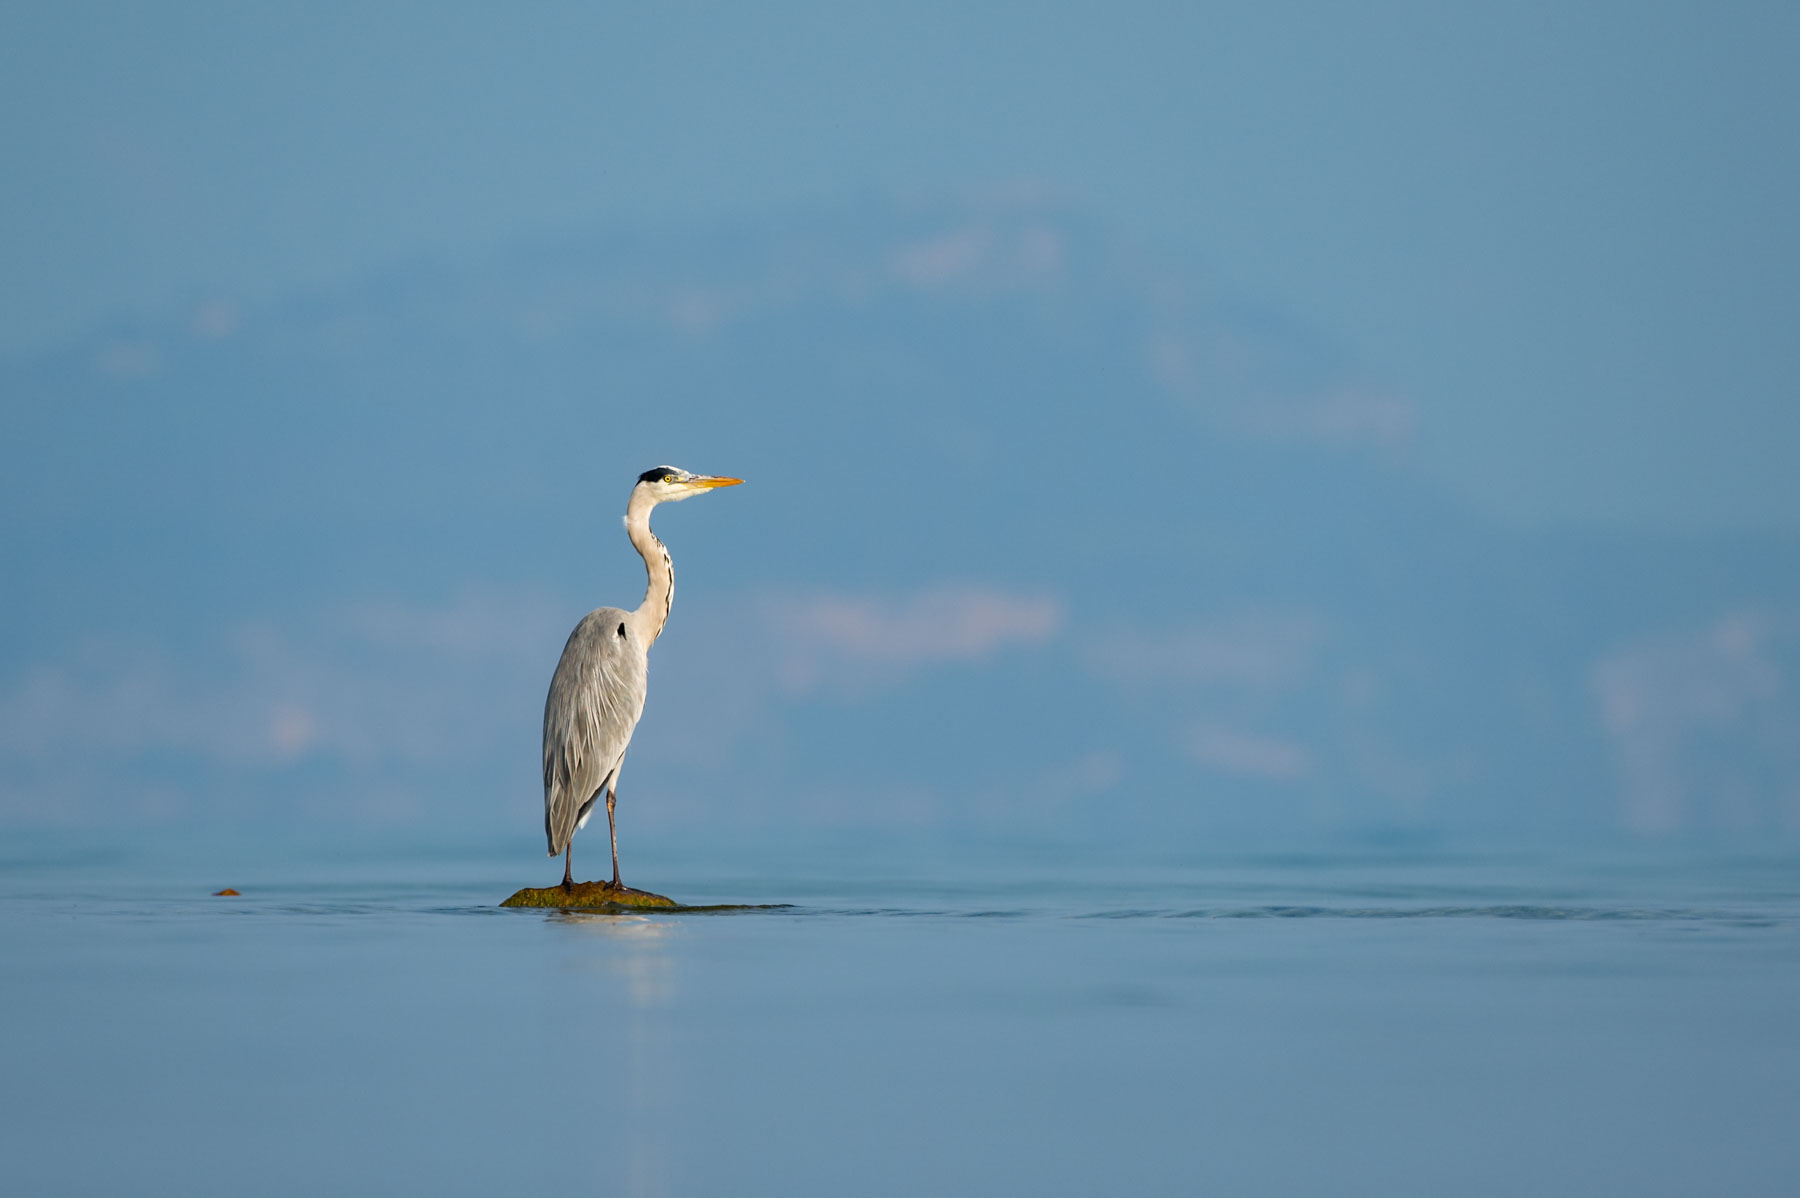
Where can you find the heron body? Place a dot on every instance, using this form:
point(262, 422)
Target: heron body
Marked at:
point(597, 693)
point(596, 699)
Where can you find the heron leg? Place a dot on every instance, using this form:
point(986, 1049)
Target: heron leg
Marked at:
point(568, 859)
point(612, 828)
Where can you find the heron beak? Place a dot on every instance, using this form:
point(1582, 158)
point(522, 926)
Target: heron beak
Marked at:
point(709, 481)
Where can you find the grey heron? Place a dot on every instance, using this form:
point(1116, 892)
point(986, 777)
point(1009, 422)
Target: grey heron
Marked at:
point(597, 693)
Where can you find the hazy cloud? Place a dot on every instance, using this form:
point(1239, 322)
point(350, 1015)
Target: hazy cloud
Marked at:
point(1237, 751)
point(1260, 651)
point(831, 636)
point(996, 252)
point(395, 705)
point(942, 258)
point(1251, 385)
point(129, 359)
point(1346, 416)
point(214, 319)
point(1705, 724)
point(368, 686)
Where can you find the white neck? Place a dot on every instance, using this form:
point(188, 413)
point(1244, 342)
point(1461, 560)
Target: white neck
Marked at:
point(659, 594)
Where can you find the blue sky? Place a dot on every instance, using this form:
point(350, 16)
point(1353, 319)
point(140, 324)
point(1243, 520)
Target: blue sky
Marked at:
point(1564, 232)
point(1161, 421)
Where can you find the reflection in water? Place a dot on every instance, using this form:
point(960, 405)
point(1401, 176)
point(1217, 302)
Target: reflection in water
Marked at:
point(637, 957)
point(914, 1033)
point(644, 968)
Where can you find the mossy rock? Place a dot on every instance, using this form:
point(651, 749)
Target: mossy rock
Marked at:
point(590, 896)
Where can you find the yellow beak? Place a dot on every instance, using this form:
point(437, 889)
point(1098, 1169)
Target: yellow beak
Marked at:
point(709, 480)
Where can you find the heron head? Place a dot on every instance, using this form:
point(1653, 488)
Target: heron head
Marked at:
point(667, 484)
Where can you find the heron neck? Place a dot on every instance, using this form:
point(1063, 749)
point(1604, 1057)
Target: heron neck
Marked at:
point(659, 594)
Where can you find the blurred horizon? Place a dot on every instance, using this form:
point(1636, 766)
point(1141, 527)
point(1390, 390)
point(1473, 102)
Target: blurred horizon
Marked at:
point(1196, 424)
point(1043, 534)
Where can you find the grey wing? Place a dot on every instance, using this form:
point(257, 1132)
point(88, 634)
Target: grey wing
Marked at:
point(596, 697)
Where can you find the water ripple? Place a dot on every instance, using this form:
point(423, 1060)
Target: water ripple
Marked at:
point(1519, 911)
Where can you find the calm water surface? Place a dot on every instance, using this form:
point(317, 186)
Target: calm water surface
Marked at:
point(1347, 1022)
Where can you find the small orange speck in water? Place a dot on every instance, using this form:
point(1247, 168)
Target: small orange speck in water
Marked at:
point(227, 890)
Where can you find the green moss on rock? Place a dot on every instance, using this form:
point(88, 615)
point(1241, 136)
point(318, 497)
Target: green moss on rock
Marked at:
point(589, 896)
